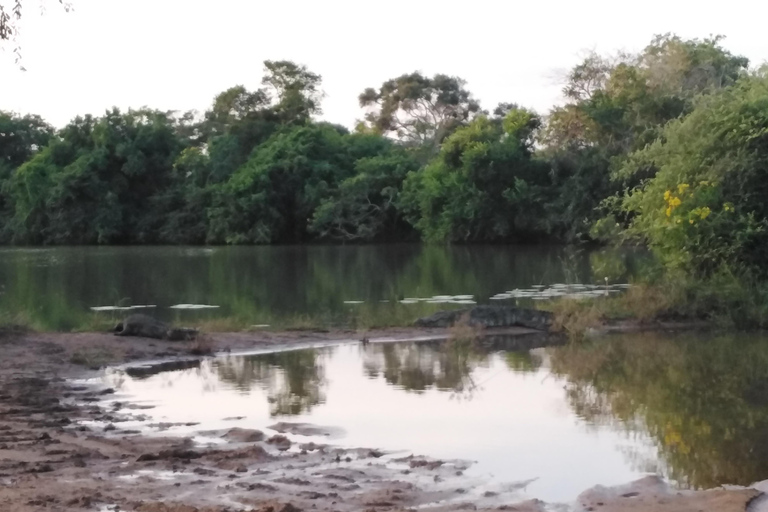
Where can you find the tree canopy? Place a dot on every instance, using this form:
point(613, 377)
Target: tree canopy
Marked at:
point(418, 110)
point(665, 145)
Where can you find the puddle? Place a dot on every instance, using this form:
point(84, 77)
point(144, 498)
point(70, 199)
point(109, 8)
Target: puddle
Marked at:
point(503, 409)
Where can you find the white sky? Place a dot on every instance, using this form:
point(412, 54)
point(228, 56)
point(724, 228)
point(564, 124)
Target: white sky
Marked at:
point(178, 54)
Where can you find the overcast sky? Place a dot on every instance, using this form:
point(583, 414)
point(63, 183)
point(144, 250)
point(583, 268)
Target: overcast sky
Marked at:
point(178, 54)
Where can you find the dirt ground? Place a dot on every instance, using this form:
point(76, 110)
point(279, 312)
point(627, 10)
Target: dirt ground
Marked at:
point(50, 461)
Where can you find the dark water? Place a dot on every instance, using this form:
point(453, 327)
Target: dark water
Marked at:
point(692, 408)
point(351, 285)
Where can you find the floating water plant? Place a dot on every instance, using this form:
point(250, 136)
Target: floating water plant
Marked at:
point(193, 306)
point(120, 308)
point(558, 290)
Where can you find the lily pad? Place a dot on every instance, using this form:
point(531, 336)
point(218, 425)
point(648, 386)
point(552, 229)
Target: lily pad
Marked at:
point(120, 308)
point(193, 306)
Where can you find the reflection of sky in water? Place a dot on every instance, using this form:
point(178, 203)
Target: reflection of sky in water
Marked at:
point(517, 425)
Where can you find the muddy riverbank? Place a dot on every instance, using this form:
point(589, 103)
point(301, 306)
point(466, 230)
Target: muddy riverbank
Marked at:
point(50, 459)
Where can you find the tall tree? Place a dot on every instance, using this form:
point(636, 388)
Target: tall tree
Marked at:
point(364, 206)
point(483, 186)
point(618, 105)
point(295, 91)
point(21, 137)
point(99, 182)
point(272, 196)
point(418, 110)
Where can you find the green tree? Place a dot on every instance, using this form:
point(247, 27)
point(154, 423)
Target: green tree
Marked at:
point(272, 197)
point(21, 137)
point(99, 183)
point(619, 105)
point(484, 185)
point(705, 206)
point(418, 110)
point(364, 206)
point(240, 120)
point(185, 200)
point(295, 91)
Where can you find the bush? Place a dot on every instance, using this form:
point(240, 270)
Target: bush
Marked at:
point(705, 207)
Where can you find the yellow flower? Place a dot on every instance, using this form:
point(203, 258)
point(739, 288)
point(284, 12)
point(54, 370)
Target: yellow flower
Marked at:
point(669, 211)
point(704, 212)
point(666, 195)
point(728, 207)
point(690, 221)
point(681, 188)
point(675, 201)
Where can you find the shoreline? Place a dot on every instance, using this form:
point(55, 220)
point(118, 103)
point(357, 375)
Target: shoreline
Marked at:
point(49, 460)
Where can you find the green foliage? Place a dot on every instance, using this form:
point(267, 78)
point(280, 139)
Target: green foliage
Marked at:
point(418, 110)
point(619, 105)
point(364, 206)
point(705, 207)
point(98, 183)
point(21, 137)
point(295, 90)
point(272, 197)
point(427, 162)
point(484, 185)
point(185, 201)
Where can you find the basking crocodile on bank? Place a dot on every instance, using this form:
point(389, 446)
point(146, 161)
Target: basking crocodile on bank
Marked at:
point(490, 316)
point(147, 327)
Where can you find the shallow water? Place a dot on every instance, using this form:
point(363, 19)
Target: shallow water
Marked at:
point(691, 408)
point(75, 287)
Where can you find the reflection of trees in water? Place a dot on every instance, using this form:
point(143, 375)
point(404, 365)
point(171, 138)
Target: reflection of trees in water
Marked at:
point(293, 380)
point(419, 366)
point(704, 403)
point(446, 366)
point(53, 288)
point(523, 361)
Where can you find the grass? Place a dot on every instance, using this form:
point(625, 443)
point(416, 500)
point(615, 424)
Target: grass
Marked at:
point(643, 303)
point(461, 330)
point(577, 317)
point(724, 300)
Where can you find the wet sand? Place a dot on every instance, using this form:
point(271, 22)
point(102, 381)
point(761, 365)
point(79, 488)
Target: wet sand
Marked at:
point(49, 461)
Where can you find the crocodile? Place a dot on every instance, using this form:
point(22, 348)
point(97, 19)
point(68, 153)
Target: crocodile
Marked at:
point(490, 316)
point(147, 327)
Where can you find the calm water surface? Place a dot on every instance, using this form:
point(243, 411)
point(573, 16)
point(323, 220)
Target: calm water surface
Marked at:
point(55, 288)
point(691, 408)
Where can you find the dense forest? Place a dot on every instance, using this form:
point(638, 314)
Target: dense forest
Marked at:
point(669, 145)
